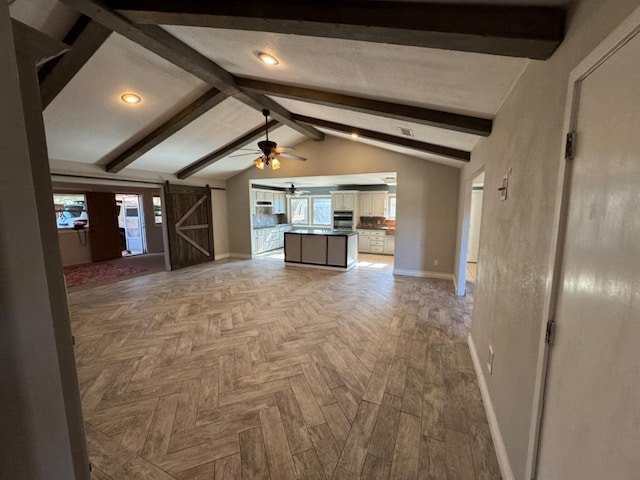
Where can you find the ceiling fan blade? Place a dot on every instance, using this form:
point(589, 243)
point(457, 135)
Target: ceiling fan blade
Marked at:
point(255, 152)
point(291, 156)
point(283, 149)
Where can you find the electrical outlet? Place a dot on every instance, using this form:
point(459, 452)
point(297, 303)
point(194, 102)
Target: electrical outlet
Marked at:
point(435, 262)
point(490, 360)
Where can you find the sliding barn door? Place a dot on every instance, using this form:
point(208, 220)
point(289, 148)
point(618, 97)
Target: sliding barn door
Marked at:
point(189, 225)
point(104, 236)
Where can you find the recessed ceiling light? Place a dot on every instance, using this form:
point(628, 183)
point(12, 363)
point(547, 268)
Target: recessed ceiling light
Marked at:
point(131, 98)
point(268, 59)
point(354, 135)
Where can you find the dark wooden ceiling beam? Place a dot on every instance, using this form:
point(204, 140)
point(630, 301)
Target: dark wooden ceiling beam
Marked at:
point(165, 45)
point(202, 105)
point(222, 152)
point(517, 31)
point(85, 39)
point(425, 116)
point(34, 44)
point(439, 150)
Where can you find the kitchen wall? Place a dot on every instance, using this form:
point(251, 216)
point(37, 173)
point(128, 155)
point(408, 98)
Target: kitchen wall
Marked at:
point(516, 234)
point(427, 199)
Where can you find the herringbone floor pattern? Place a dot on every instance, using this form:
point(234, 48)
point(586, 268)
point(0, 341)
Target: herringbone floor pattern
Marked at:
point(252, 370)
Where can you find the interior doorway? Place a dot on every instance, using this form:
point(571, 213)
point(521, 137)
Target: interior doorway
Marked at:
point(477, 190)
point(470, 236)
point(131, 224)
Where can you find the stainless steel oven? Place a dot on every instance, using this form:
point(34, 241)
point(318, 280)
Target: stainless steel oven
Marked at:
point(343, 220)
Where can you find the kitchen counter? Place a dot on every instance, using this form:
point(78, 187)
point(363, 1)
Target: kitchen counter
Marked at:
point(321, 231)
point(257, 227)
point(332, 249)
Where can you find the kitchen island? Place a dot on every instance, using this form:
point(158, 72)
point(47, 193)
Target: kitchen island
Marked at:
point(333, 249)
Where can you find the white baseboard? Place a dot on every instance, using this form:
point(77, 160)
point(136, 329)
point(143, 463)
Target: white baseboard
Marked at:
point(455, 284)
point(222, 256)
point(496, 434)
point(423, 274)
point(243, 256)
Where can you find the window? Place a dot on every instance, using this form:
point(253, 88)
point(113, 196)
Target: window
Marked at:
point(71, 210)
point(300, 211)
point(321, 207)
point(157, 209)
point(391, 207)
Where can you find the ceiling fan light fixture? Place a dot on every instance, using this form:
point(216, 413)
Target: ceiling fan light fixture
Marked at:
point(259, 163)
point(268, 59)
point(275, 164)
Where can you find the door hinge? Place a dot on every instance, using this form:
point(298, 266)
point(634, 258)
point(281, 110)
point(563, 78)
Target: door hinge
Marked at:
point(570, 146)
point(551, 332)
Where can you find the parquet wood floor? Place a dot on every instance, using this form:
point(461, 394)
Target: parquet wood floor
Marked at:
point(247, 369)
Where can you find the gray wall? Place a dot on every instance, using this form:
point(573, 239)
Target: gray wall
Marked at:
point(40, 420)
point(220, 223)
point(427, 198)
point(516, 235)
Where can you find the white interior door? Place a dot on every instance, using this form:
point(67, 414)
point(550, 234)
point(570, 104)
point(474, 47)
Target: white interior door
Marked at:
point(133, 226)
point(591, 422)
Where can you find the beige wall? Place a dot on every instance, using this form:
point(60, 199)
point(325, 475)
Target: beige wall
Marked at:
point(220, 223)
point(516, 235)
point(427, 199)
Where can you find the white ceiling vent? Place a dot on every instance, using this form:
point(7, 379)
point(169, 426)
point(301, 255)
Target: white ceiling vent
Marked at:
point(406, 131)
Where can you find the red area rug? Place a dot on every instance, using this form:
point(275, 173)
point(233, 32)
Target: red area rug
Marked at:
point(95, 272)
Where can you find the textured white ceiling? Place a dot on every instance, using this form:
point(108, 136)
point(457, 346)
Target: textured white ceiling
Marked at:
point(49, 16)
point(87, 122)
point(216, 128)
point(228, 167)
point(423, 133)
point(453, 81)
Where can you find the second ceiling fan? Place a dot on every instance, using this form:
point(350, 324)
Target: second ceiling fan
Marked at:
point(270, 153)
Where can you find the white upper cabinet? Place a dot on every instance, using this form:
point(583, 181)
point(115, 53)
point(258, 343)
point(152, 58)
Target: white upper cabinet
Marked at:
point(343, 201)
point(372, 204)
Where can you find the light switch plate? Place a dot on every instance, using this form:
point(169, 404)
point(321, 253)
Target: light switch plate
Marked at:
point(505, 187)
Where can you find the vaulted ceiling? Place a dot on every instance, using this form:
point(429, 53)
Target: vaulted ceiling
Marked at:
point(439, 69)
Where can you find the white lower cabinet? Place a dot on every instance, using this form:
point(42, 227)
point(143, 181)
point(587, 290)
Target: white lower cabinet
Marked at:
point(372, 241)
point(390, 244)
point(269, 238)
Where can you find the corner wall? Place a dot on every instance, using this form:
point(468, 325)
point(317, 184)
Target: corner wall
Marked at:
point(427, 199)
point(516, 235)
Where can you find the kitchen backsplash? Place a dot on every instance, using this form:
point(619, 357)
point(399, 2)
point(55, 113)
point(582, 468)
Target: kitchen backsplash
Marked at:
point(372, 221)
point(263, 219)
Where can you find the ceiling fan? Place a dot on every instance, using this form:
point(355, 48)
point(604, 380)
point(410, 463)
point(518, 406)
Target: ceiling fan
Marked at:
point(270, 153)
point(293, 191)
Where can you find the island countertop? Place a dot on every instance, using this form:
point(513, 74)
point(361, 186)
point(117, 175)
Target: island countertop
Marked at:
point(320, 231)
point(333, 249)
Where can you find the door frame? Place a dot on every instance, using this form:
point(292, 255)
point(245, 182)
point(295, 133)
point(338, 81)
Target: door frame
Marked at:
point(461, 277)
point(623, 33)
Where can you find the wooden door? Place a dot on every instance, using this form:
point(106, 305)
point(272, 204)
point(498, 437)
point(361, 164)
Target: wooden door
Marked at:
point(591, 426)
point(189, 225)
point(104, 236)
